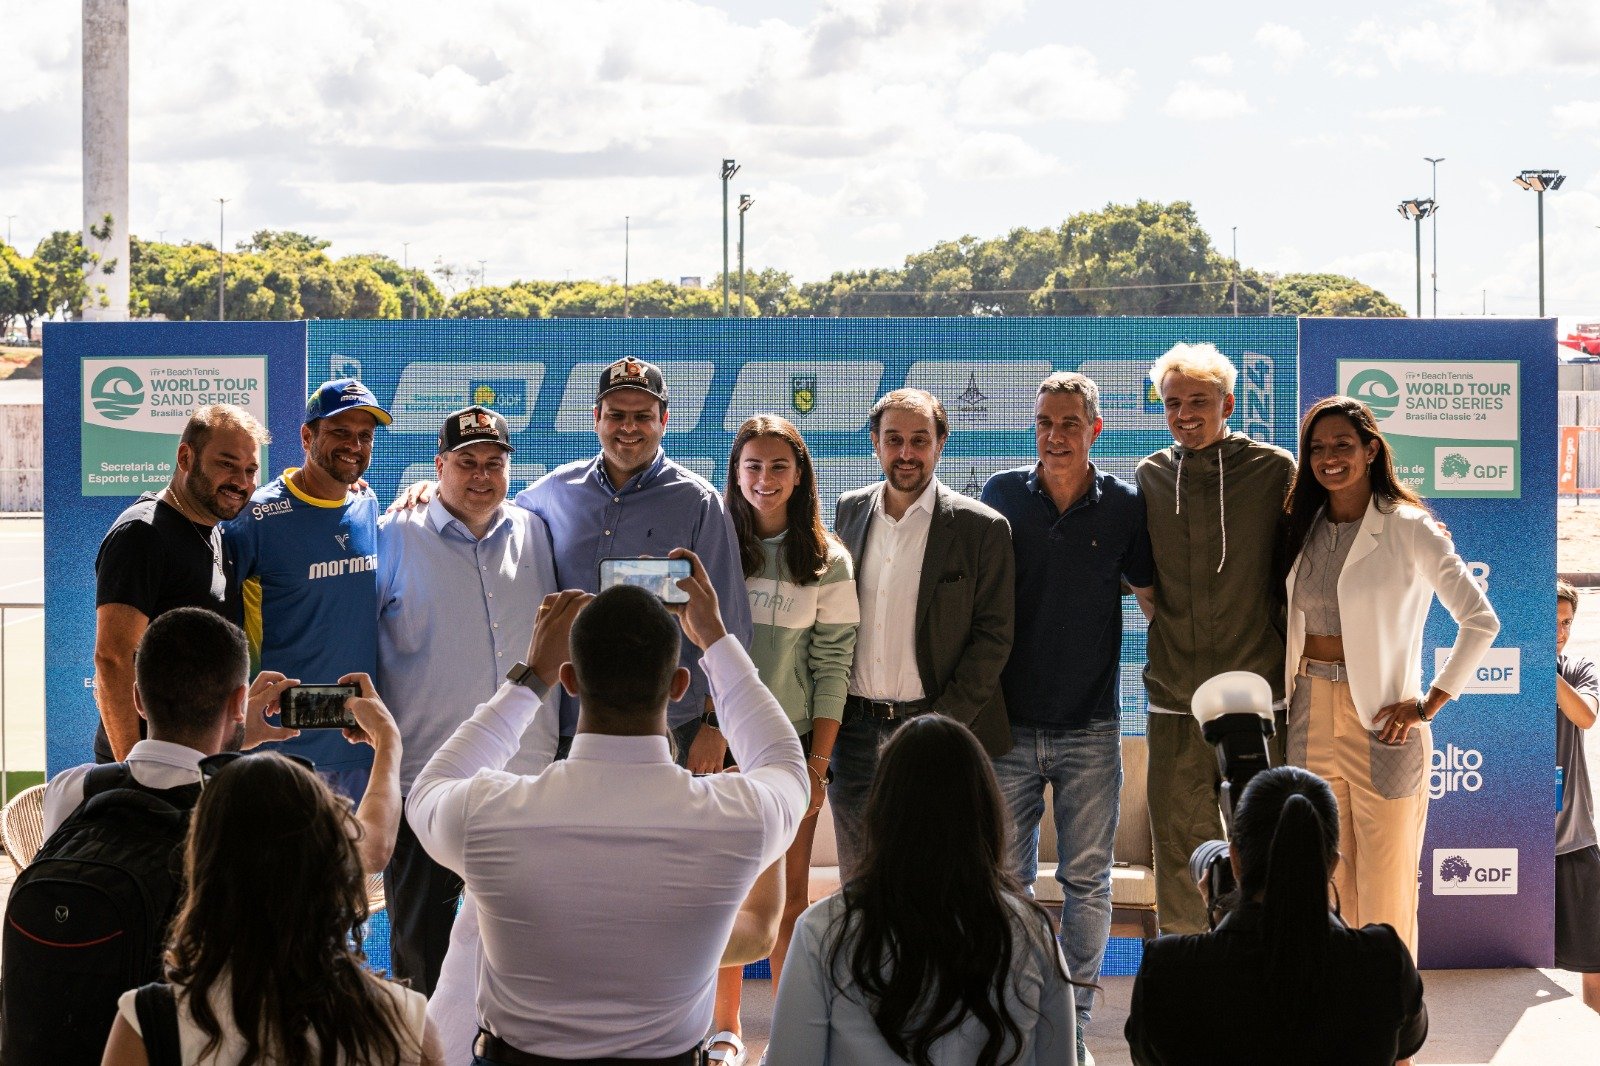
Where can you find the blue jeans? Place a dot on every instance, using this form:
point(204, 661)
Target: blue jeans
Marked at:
point(1084, 771)
point(855, 764)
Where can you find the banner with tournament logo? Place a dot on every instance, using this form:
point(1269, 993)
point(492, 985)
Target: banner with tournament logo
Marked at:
point(1469, 408)
point(135, 408)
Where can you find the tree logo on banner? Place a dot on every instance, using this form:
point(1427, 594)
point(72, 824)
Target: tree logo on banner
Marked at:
point(1377, 390)
point(117, 393)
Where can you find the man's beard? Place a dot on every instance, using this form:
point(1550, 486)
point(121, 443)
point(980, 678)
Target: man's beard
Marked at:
point(203, 494)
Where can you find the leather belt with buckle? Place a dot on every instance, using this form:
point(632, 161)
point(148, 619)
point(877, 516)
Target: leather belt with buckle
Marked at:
point(1327, 671)
point(888, 710)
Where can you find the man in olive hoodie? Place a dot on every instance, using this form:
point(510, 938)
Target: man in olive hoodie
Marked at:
point(1213, 503)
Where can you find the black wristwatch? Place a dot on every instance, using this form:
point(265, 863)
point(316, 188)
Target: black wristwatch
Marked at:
point(710, 718)
point(522, 674)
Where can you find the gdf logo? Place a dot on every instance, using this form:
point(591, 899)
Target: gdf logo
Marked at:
point(1377, 390)
point(117, 393)
point(1475, 871)
point(1455, 770)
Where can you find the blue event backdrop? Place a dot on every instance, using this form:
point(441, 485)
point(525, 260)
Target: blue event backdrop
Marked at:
point(1487, 892)
point(74, 523)
point(822, 373)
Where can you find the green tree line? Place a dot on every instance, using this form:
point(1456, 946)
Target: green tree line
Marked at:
point(1143, 258)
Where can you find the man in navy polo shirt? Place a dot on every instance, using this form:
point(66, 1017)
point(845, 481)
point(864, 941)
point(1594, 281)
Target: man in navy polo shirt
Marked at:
point(1077, 534)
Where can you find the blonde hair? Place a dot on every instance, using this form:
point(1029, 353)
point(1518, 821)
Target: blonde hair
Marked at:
point(1201, 361)
point(1566, 593)
point(209, 418)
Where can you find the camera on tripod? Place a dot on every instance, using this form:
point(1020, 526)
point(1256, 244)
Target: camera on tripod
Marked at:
point(1235, 715)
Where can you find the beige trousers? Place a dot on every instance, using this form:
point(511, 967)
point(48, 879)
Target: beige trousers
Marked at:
point(1383, 802)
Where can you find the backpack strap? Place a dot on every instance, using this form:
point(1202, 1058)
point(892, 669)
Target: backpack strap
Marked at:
point(157, 1008)
point(105, 777)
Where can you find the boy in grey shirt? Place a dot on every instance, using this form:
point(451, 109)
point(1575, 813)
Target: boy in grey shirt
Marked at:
point(1577, 857)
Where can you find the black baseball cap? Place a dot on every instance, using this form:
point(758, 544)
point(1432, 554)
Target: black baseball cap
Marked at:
point(473, 425)
point(631, 373)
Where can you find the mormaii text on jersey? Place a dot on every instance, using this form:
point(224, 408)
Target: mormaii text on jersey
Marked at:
point(340, 567)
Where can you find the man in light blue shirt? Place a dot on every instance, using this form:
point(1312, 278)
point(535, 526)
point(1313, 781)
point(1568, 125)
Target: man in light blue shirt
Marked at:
point(459, 584)
point(631, 500)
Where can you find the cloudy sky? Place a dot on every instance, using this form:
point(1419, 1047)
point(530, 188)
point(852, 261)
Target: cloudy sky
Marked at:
point(521, 133)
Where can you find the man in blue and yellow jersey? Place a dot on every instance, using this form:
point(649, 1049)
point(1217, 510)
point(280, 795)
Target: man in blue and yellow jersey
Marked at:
point(306, 552)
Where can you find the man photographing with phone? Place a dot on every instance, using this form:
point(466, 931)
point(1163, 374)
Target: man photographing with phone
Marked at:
point(576, 965)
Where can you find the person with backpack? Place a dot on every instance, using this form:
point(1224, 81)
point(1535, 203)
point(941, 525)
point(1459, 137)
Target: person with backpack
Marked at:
point(88, 917)
point(238, 987)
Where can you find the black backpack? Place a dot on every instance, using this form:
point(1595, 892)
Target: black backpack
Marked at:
point(88, 917)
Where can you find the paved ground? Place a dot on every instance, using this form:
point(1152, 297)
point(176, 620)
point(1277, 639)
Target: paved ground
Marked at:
point(1504, 1017)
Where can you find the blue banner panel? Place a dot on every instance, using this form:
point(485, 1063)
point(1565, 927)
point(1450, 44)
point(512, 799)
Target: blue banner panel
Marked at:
point(823, 374)
point(126, 390)
point(1470, 410)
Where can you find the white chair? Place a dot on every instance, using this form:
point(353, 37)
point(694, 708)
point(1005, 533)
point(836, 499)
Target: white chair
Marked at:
point(22, 825)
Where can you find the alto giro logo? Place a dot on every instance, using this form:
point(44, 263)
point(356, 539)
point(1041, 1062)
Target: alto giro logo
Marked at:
point(1377, 390)
point(117, 393)
point(1454, 770)
point(1475, 871)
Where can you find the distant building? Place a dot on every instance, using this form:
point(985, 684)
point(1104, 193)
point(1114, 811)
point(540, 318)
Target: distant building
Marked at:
point(690, 281)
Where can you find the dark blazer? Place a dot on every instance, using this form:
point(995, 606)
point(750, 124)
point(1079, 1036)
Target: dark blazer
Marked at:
point(1205, 998)
point(964, 605)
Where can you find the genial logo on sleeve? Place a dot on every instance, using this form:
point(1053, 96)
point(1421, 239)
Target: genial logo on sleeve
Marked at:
point(1474, 871)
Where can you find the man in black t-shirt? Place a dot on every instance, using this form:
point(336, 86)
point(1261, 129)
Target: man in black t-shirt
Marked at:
point(165, 551)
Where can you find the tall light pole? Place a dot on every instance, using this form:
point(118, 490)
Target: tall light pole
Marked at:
point(1236, 272)
point(222, 260)
point(1415, 211)
point(411, 284)
point(483, 273)
point(626, 251)
point(729, 169)
point(8, 229)
point(1541, 182)
point(1434, 162)
point(746, 201)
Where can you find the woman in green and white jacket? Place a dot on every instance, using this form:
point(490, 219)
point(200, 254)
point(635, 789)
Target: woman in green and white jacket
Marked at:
point(804, 608)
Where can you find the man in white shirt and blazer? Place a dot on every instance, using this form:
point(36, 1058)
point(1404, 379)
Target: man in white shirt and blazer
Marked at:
point(941, 650)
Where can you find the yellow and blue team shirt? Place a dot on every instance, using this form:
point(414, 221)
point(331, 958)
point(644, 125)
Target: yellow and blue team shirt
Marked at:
point(309, 574)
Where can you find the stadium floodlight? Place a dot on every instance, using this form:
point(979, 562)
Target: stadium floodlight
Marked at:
point(1434, 162)
point(746, 201)
point(1415, 211)
point(1540, 182)
point(729, 169)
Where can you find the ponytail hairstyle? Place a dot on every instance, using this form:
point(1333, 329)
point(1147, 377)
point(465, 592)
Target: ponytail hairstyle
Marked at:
point(1286, 838)
point(805, 548)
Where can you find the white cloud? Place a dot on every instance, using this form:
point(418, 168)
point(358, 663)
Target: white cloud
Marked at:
point(1050, 82)
point(1405, 113)
point(1217, 66)
point(988, 156)
point(1489, 36)
point(1285, 44)
point(1576, 115)
point(1199, 102)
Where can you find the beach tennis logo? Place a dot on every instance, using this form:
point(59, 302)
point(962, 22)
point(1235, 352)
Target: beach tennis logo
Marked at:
point(1474, 871)
point(1378, 390)
point(117, 393)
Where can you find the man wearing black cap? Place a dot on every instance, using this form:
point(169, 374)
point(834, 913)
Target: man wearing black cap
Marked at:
point(631, 500)
point(306, 552)
point(459, 584)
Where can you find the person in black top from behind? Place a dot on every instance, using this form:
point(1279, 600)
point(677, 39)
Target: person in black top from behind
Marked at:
point(1281, 979)
point(165, 551)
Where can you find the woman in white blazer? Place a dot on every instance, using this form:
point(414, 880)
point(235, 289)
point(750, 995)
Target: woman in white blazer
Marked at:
point(1367, 560)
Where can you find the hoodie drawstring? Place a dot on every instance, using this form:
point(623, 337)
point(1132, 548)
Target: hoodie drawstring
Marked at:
point(1222, 499)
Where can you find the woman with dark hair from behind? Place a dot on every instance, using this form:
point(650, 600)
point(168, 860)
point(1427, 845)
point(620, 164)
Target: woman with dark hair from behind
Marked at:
point(1281, 979)
point(264, 957)
point(932, 954)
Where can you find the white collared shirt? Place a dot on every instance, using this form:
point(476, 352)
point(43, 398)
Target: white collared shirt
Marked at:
point(891, 574)
point(154, 763)
point(606, 885)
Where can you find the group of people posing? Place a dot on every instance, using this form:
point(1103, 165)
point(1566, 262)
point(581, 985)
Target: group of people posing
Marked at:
point(928, 666)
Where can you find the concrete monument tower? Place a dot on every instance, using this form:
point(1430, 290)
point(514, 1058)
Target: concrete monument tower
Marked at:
point(105, 157)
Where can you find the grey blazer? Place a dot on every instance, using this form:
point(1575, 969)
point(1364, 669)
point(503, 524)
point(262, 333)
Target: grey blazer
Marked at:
point(965, 603)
